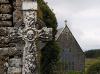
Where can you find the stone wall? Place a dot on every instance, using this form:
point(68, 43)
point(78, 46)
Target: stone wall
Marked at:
point(10, 14)
point(6, 11)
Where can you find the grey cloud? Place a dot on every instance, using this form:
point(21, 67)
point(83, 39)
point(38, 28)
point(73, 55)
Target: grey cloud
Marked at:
point(83, 19)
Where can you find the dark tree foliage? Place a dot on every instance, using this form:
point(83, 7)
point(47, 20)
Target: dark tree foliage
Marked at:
point(49, 58)
point(94, 69)
point(47, 16)
point(92, 53)
point(50, 53)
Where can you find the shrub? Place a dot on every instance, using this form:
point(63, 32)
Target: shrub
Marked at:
point(94, 69)
point(49, 58)
point(50, 53)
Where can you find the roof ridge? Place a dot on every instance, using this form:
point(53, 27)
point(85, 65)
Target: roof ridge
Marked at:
point(58, 34)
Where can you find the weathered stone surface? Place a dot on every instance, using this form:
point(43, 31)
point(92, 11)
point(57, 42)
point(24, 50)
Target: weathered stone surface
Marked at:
point(17, 16)
point(11, 42)
point(7, 45)
point(2, 61)
point(15, 62)
point(14, 70)
point(3, 32)
point(19, 3)
point(4, 40)
point(5, 17)
point(5, 23)
point(7, 51)
point(15, 65)
point(5, 8)
point(6, 13)
point(4, 1)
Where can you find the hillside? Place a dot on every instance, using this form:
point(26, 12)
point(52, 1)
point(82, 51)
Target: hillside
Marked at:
point(94, 53)
point(92, 56)
point(90, 61)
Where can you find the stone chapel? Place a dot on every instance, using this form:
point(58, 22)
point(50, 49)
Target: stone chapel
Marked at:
point(71, 56)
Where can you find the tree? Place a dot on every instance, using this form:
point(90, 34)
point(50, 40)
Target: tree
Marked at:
point(50, 56)
point(50, 53)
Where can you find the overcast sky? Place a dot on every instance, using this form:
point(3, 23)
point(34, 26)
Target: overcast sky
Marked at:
point(83, 18)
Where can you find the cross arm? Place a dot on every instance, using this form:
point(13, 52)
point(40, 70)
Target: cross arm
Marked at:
point(45, 34)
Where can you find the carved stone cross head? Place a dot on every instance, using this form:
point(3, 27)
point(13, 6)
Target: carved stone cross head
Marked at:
point(31, 34)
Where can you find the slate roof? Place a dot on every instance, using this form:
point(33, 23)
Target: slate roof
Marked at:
point(59, 32)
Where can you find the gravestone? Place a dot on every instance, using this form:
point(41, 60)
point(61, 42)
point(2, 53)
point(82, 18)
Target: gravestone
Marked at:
point(18, 22)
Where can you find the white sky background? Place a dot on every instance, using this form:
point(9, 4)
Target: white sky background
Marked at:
point(83, 18)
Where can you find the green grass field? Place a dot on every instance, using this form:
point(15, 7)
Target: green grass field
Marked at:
point(89, 62)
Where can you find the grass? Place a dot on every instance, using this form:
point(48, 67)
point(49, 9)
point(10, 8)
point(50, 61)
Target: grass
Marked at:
point(90, 61)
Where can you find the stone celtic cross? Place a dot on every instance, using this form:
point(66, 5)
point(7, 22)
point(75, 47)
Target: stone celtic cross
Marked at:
point(30, 34)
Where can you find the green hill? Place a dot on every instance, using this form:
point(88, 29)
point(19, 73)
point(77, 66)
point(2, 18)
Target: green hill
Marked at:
point(92, 56)
point(95, 53)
